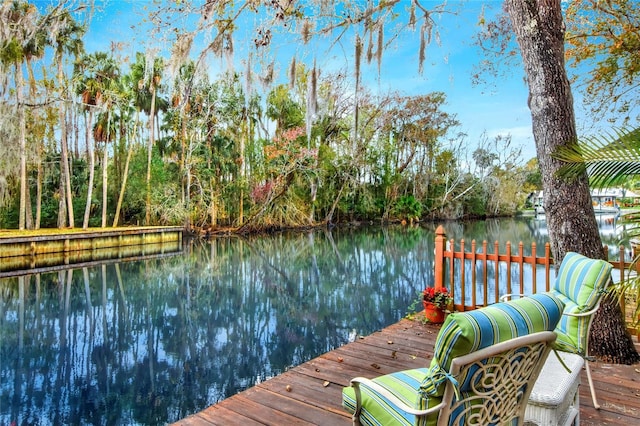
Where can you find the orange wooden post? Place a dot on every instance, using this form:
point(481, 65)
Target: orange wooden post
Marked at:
point(496, 253)
point(485, 273)
point(521, 264)
point(547, 265)
point(508, 259)
point(534, 267)
point(474, 282)
point(451, 254)
point(441, 241)
point(463, 284)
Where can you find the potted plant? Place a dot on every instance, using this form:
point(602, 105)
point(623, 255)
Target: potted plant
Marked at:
point(436, 302)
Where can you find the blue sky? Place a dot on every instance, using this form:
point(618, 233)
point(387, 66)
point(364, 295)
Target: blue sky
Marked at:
point(496, 109)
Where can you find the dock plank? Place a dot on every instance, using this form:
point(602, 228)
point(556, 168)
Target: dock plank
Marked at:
point(311, 393)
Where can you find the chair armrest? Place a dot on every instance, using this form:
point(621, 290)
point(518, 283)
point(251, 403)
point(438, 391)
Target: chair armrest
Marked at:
point(506, 297)
point(582, 314)
point(355, 383)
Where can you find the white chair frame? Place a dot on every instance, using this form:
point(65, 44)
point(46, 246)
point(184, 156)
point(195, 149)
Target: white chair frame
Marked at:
point(586, 356)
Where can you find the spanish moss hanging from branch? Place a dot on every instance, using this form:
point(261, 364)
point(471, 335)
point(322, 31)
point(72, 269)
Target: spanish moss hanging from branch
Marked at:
point(380, 47)
point(228, 52)
point(292, 73)
point(312, 101)
point(248, 78)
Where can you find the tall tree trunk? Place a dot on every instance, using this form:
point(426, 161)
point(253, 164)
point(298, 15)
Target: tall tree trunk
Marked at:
point(242, 176)
point(64, 165)
point(39, 188)
point(29, 207)
point(23, 148)
point(213, 207)
point(62, 206)
point(105, 180)
point(124, 185)
point(76, 133)
point(125, 174)
point(39, 148)
point(187, 174)
point(105, 177)
point(65, 169)
point(92, 162)
point(571, 221)
point(152, 113)
point(539, 30)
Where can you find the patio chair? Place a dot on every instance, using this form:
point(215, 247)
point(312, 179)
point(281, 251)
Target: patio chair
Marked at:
point(580, 284)
point(483, 369)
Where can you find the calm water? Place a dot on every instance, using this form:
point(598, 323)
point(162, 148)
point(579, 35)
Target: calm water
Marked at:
point(155, 341)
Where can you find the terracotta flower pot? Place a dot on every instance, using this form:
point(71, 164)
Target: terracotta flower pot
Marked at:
point(433, 313)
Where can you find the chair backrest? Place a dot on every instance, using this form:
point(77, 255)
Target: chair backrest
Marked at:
point(493, 355)
point(466, 332)
point(495, 382)
point(580, 284)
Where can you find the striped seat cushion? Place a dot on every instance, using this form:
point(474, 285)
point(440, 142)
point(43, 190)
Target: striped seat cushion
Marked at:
point(462, 333)
point(579, 285)
point(466, 332)
point(377, 410)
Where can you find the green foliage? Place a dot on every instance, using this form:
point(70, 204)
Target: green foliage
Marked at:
point(609, 159)
point(282, 108)
point(407, 207)
point(216, 156)
point(475, 204)
point(603, 38)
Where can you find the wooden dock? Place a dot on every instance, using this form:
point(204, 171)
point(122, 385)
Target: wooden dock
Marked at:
point(45, 250)
point(310, 394)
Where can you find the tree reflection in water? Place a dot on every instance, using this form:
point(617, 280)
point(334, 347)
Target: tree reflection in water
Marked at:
point(154, 341)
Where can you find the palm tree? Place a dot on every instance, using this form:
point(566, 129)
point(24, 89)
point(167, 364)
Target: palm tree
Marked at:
point(94, 74)
point(105, 131)
point(68, 39)
point(19, 18)
point(609, 160)
point(127, 134)
point(34, 48)
point(147, 76)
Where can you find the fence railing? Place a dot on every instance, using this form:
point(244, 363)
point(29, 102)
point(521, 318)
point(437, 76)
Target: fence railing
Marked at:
point(466, 273)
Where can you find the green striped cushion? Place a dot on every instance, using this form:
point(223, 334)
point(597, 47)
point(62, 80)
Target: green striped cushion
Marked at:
point(579, 284)
point(377, 410)
point(466, 332)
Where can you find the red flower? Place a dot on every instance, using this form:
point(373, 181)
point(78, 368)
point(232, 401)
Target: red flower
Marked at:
point(438, 296)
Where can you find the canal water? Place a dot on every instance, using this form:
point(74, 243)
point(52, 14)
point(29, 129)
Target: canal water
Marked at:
point(154, 341)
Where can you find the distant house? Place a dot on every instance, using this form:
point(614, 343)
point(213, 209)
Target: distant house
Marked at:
point(604, 200)
point(535, 198)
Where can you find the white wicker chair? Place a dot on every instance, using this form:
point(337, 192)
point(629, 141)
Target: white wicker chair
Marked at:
point(488, 386)
point(580, 284)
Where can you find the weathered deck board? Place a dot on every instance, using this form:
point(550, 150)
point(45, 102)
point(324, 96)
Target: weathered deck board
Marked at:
point(301, 395)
